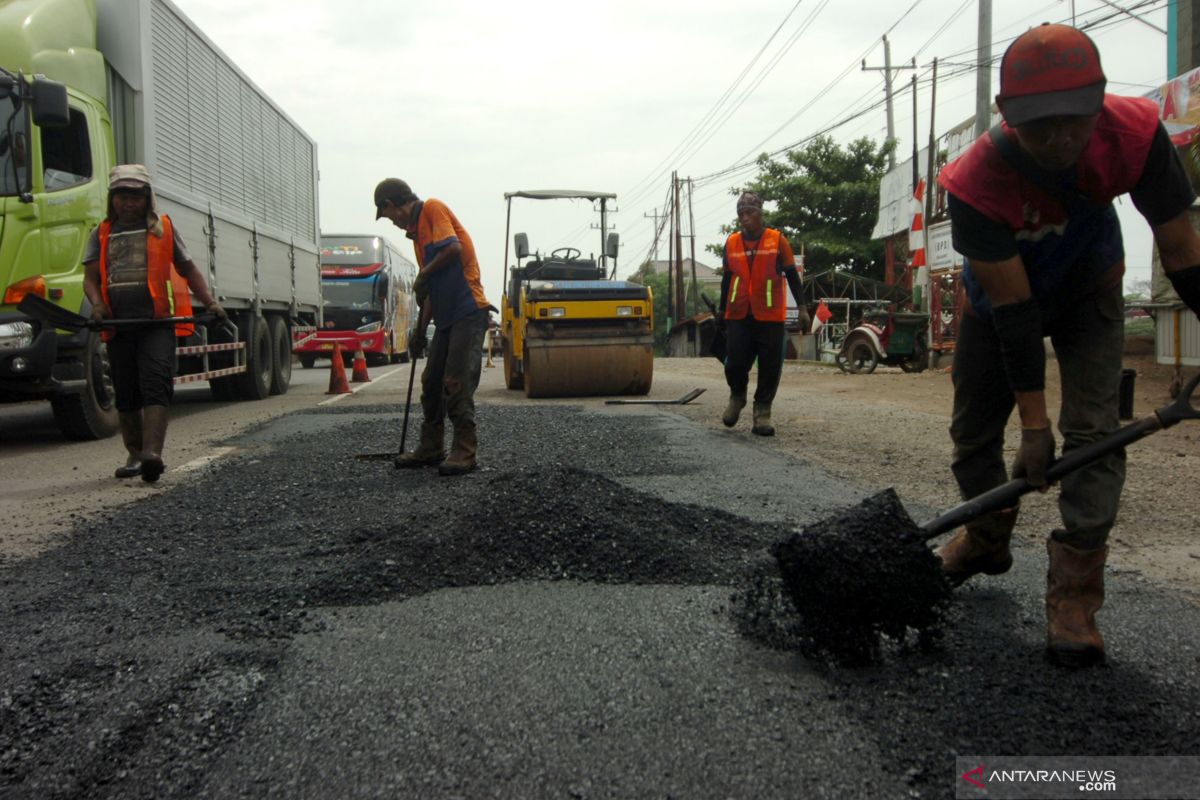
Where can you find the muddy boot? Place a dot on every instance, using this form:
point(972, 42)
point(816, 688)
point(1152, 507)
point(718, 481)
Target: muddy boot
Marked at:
point(734, 410)
point(154, 434)
point(982, 546)
point(430, 451)
point(131, 435)
point(462, 453)
point(1074, 593)
point(762, 420)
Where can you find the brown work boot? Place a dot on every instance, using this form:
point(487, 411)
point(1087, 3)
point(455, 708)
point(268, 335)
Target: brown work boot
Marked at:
point(462, 453)
point(1074, 593)
point(131, 435)
point(430, 452)
point(762, 420)
point(154, 436)
point(737, 401)
point(982, 546)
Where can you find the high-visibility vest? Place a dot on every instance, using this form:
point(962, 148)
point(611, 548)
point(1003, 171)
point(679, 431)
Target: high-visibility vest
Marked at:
point(755, 287)
point(168, 289)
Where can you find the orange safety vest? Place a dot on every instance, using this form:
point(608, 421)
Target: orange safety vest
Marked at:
point(755, 288)
point(168, 289)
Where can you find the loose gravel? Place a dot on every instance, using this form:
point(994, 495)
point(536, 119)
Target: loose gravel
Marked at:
point(135, 656)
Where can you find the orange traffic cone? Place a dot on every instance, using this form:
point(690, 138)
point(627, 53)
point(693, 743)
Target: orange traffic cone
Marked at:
point(337, 372)
point(359, 373)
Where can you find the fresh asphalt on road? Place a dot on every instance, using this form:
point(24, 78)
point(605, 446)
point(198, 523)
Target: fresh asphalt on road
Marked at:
point(292, 622)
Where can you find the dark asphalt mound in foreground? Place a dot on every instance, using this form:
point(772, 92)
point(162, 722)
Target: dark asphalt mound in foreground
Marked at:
point(860, 575)
point(132, 655)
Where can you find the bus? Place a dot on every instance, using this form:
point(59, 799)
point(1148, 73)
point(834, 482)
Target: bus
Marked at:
point(366, 286)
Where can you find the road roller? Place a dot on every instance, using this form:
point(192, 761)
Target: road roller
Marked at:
point(569, 328)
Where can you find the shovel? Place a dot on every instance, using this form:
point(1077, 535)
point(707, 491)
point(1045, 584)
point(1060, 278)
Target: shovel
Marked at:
point(412, 373)
point(53, 314)
point(867, 570)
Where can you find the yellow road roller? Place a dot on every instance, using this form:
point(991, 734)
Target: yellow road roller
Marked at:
point(570, 329)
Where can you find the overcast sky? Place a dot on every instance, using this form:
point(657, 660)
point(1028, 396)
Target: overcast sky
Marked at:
point(467, 100)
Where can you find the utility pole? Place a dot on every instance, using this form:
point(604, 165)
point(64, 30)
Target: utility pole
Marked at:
point(983, 71)
point(680, 295)
point(887, 88)
point(655, 217)
point(692, 232)
point(929, 188)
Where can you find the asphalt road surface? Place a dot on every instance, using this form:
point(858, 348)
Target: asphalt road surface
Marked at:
point(288, 621)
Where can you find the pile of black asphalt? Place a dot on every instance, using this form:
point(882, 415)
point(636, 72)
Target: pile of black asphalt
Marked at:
point(243, 557)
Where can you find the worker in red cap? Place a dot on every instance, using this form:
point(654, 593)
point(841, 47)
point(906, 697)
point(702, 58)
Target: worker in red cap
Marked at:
point(757, 261)
point(1031, 209)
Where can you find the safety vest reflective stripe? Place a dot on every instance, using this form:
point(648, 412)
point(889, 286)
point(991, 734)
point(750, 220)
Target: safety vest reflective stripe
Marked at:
point(770, 284)
point(733, 290)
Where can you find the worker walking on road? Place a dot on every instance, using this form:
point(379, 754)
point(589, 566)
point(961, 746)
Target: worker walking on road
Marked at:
point(131, 265)
point(1031, 210)
point(753, 311)
point(449, 291)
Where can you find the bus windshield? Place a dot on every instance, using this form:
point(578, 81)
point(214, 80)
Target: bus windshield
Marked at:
point(351, 250)
point(342, 293)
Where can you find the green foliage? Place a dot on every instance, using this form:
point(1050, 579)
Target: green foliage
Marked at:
point(659, 285)
point(827, 198)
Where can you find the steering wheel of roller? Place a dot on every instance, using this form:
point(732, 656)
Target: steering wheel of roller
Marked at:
point(568, 253)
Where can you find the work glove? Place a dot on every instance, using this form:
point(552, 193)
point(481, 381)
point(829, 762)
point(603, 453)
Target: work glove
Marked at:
point(215, 309)
point(421, 287)
point(1034, 455)
point(101, 312)
point(417, 344)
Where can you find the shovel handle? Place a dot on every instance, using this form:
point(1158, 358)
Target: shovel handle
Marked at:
point(1006, 494)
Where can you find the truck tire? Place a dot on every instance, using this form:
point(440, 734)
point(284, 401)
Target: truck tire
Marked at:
point(281, 362)
point(255, 382)
point(307, 360)
point(91, 413)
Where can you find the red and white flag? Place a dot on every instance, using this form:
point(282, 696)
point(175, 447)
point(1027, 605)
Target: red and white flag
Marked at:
point(821, 316)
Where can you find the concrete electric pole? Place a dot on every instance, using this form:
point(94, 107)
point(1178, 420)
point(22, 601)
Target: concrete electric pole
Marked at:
point(887, 71)
point(983, 72)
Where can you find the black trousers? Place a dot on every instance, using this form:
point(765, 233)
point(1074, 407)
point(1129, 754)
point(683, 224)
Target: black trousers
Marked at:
point(747, 340)
point(143, 367)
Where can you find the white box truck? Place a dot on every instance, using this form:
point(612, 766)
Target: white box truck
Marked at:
point(235, 174)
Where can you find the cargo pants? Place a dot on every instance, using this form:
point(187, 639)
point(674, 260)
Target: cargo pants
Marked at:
point(1088, 341)
point(452, 368)
point(747, 340)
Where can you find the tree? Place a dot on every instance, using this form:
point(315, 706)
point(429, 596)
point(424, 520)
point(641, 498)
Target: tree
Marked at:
point(827, 199)
point(659, 283)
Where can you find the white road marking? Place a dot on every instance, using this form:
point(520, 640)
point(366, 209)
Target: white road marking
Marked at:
point(204, 461)
point(355, 389)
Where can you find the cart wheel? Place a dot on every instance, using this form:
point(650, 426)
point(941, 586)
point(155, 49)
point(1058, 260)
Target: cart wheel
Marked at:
point(860, 355)
point(920, 358)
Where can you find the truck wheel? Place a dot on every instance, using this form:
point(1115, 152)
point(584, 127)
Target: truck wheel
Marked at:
point(255, 383)
point(281, 362)
point(92, 412)
point(307, 360)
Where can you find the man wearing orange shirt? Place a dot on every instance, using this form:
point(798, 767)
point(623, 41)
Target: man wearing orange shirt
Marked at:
point(449, 291)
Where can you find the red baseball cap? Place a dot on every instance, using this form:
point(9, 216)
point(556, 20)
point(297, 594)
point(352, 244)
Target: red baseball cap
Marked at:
point(1049, 71)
